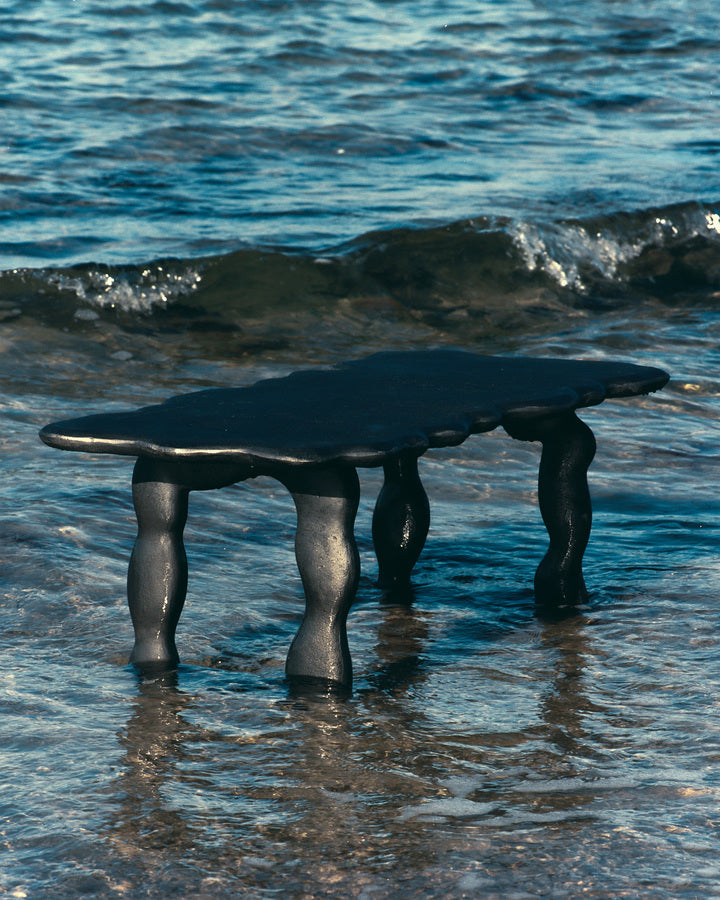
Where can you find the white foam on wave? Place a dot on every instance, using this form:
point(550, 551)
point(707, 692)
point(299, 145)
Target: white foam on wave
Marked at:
point(135, 291)
point(565, 250)
point(713, 221)
point(562, 251)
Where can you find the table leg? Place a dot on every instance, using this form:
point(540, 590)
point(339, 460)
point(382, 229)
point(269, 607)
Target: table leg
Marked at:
point(158, 572)
point(326, 500)
point(400, 522)
point(564, 499)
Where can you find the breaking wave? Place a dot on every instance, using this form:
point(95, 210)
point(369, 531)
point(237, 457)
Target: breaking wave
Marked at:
point(446, 272)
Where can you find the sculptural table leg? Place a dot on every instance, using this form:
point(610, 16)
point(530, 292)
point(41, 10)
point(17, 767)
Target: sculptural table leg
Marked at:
point(157, 577)
point(564, 499)
point(326, 500)
point(158, 571)
point(400, 522)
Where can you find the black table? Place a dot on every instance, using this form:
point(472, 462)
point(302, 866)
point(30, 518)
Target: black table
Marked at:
point(310, 431)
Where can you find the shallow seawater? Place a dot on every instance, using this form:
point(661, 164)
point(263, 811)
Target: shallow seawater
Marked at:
point(210, 192)
point(483, 752)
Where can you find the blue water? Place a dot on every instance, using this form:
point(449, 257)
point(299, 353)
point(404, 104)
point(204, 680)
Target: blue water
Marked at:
point(132, 131)
point(205, 193)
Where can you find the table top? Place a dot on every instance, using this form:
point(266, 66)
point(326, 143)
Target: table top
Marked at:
point(360, 412)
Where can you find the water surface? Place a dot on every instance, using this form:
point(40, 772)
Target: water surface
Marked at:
point(206, 193)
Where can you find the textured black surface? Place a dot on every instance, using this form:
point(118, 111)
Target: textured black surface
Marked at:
point(360, 412)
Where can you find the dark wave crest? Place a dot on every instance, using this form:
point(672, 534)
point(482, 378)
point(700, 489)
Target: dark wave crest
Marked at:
point(498, 274)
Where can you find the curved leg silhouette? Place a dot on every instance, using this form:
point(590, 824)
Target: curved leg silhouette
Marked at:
point(326, 500)
point(158, 573)
point(564, 499)
point(400, 522)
